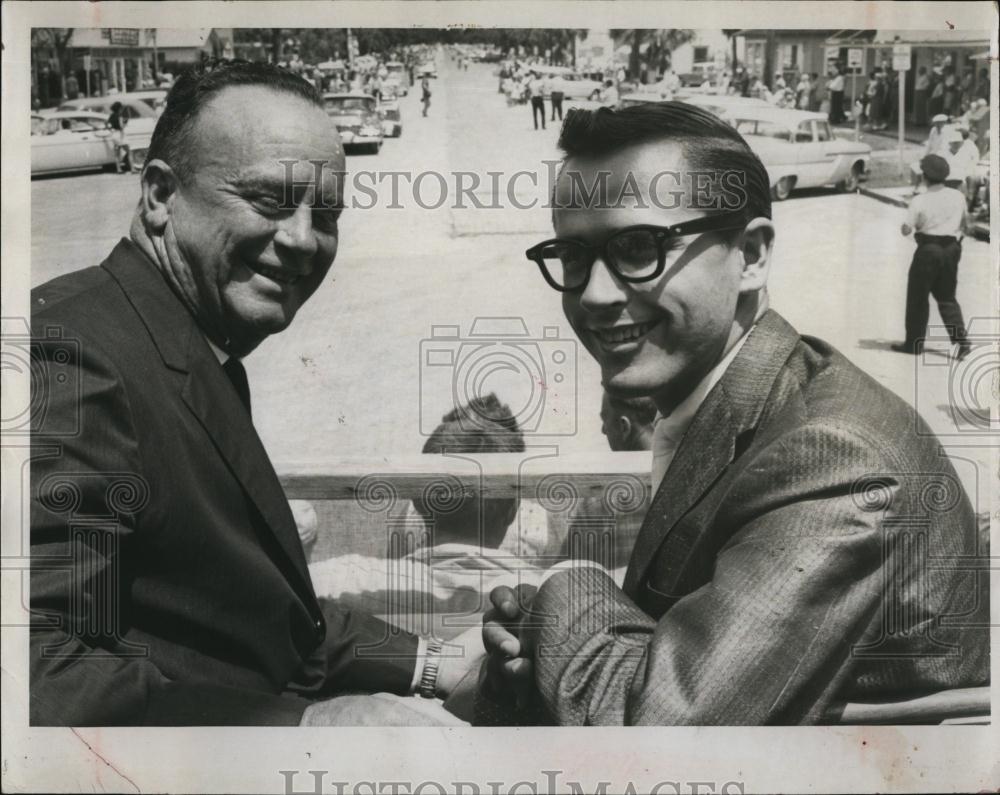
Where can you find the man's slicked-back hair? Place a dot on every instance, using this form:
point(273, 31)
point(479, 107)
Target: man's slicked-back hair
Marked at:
point(709, 143)
point(193, 89)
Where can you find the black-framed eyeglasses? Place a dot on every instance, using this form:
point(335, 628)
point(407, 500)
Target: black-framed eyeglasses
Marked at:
point(634, 254)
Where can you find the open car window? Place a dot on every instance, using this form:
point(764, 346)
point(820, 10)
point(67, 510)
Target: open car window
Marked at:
point(803, 133)
point(823, 131)
point(82, 125)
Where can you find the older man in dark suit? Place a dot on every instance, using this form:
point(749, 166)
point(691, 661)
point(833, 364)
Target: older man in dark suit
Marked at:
point(168, 581)
point(805, 542)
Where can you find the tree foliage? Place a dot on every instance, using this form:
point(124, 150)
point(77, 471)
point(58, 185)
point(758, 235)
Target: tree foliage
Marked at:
point(320, 44)
point(650, 47)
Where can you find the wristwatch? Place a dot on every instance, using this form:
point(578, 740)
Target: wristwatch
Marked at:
point(432, 660)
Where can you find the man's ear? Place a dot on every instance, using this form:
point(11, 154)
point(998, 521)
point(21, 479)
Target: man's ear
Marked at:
point(626, 426)
point(757, 244)
point(159, 187)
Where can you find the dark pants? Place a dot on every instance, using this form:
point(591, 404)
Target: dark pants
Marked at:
point(934, 271)
point(836, 107)
point(538, 109)
point(920, 108)
point(557, 98)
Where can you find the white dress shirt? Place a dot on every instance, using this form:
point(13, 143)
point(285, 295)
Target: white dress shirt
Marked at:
point(668, 431)
point(937, 211)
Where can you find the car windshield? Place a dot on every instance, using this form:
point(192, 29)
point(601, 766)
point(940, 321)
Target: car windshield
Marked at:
point(761, 127)
point(346, 104)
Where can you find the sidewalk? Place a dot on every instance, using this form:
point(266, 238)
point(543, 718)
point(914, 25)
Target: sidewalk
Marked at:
point(912, 133)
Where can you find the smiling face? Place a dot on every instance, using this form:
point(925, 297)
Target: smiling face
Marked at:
point(656, 338)
point(249, 238)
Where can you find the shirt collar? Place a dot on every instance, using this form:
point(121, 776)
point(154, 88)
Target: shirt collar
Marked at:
point(669, 430)
point(220, 354)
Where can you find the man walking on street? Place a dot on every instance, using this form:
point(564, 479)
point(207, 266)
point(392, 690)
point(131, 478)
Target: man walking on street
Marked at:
point(937, 220)
point(425, 87)
point(557, 99)
point(836, 88)
point(536, 88)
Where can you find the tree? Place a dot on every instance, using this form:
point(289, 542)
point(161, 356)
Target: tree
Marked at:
point(657, 44)
point(58, 40)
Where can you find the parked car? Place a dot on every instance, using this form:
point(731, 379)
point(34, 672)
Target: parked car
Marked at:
point(640, 98)
point(574, 85)
point(428, 69)
point(392, 120)
point(136, 104)
point(357, 118)
point(725, 106)
point(397, 78)
point(799, 150)
point(81, 140)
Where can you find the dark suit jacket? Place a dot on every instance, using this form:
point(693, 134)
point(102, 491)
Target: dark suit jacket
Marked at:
point(810, 544)
point(168, 583)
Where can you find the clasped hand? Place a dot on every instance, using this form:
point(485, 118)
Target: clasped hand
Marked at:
point(509, 640)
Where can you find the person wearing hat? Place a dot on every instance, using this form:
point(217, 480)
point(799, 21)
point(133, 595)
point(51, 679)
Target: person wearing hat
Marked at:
point(936, 144)
point(963, 156)
point(937, 219)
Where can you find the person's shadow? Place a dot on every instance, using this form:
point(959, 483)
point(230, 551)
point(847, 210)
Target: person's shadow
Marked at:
point(886, 345)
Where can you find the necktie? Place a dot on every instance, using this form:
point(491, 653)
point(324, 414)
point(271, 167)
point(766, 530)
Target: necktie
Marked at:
point(237, 375)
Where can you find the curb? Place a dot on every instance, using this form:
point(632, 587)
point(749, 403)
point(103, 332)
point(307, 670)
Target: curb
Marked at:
point(873, 194)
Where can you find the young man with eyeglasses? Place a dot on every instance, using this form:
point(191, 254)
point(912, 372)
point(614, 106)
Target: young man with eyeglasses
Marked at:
point(789, 525)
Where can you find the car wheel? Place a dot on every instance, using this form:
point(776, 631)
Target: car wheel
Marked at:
point(782, 188)
point(851, 183)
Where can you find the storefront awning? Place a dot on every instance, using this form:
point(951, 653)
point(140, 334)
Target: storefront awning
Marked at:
point(850, 38)
point(933, 38)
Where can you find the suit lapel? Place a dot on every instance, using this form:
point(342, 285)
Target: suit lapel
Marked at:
point(209, 395)
point(212, 399)
point(730, 411)
point(695, 467)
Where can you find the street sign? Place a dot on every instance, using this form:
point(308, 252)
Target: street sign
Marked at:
point(832, 53)
point(901, 57)
point(126, 37)
point(855, 58)
point(87, 63)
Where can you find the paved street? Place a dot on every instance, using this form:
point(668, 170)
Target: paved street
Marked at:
point(346, 379)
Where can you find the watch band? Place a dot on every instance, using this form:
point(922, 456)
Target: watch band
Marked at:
point(428, 679)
